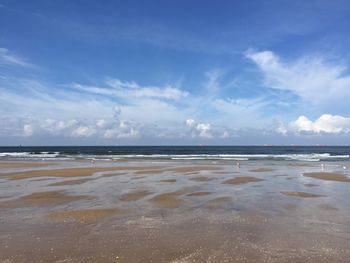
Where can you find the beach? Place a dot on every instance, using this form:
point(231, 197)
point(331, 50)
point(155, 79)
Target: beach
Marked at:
point(174, 211)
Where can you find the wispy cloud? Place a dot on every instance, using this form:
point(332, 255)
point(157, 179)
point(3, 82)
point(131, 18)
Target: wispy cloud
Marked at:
point(129, 90)
point(9, 58)
point(314, 79)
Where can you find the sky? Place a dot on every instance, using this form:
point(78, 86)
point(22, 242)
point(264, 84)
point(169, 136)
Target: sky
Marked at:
point(181, 72)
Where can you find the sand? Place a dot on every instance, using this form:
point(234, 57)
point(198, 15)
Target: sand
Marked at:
point(290, 207)
point(7, 165)
point(195, 168)
point(219, 202)
point(199, 193)
point(310, 185)
point(168, 181)
point(201, 179)
point(242, 180)
point(169, 200)
point(87, 216)
point(261, 170)
point(71, 182)
point(337, 177)
point(150, 172)
point(44, 198)
point(301, 194)
point(327, 207)
point(134, 196)
point(161, 219)
point(67, 172)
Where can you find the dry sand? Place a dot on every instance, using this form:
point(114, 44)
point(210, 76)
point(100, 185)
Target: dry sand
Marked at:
point(242, 180)
point(338, 177)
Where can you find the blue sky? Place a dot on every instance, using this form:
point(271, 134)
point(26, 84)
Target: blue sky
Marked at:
point(174, 72)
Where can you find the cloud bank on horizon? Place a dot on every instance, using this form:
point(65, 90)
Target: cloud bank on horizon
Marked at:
point(151, 73)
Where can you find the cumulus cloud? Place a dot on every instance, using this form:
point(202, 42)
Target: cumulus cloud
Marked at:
point(206, 130)
point(199, 129)
point(312, 78)
point(326, 123)
point(8, 58)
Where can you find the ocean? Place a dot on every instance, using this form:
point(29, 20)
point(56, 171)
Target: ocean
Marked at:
point(235, 153)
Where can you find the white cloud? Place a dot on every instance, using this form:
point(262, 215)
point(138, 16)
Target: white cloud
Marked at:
point(190, 123)
point(312, 78)
point(132, 90)
point(204, 130)
point(28, 130)
point(212, 84)
point(326, 123)
point(8, 58)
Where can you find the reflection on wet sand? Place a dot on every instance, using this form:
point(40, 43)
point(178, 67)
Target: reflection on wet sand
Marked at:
point(136, 195)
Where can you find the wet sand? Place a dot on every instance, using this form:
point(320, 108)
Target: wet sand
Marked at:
point(44, 198)
point(201, 179)
point(302, 194)
point(70, 182)
point(261, 170)
point(133, 196)
point(87, 216)
point(168, 181)
point(328, 176)
point(199, 194)
point(5, 165)
point(100, 213)
point(242, 180)
point(169, 200)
